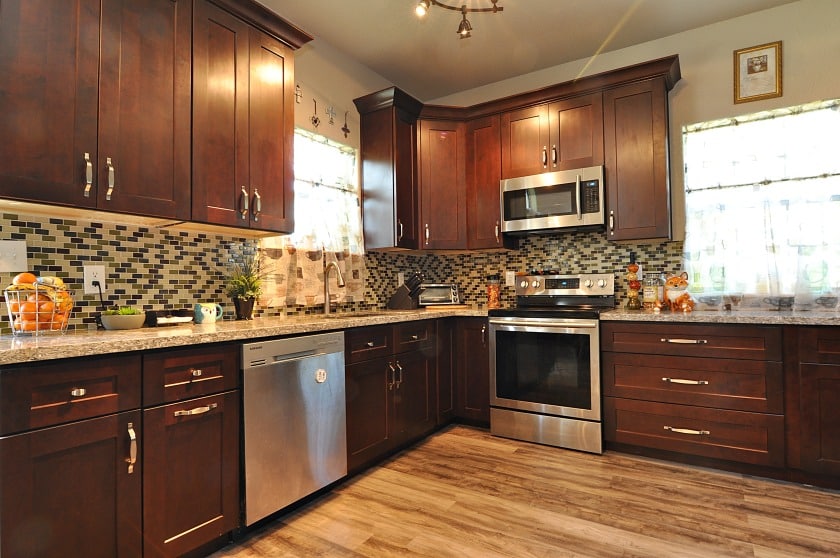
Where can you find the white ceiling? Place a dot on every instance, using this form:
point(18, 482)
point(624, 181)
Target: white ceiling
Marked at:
point(427, 59)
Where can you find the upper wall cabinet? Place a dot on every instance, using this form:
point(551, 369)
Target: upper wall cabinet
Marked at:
point(390, 204)
point(95, 104)
point(243, 123)
point(443, 214)
point(636, 161)
point(564, 134)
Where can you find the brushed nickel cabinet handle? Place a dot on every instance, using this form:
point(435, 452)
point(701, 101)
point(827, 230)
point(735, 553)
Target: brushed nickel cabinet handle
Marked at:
point(132, 448)
point(484, 334)
point(392, 377)
point(257, 205)
point(196, 411)
point(400, 229)
point(243, 203)
point(88, 175)
point(370, 344)
point(679, 341)
point(196, 372)
point(687, 431)
point(111, 178)
point(612, 222)
point(400, 369)
point(545, 156)
point(78, 392)
point(415, 337)
point(554, 155)
point(498, 240)
point(427, 234)
point(686, 382)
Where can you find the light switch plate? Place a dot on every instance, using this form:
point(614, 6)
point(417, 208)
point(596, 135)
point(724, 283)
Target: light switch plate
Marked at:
point(13, 256)
point(510, 278)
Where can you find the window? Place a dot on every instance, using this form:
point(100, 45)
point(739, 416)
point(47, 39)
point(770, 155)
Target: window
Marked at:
point(763, 206)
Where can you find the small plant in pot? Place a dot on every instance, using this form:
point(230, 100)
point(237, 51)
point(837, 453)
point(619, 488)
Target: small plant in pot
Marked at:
point(122, 317)
point(244, 284)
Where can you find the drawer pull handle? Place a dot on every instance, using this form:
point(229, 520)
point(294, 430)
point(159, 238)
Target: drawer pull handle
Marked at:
point(78, 392)
point(415, 337)
point(686, 382)
point(687, 431)
point(685, 341)
point(370, 344)
point(132, 448)
point(196, 372)
point(400, 381)
point(197, 410)
point(392, 379)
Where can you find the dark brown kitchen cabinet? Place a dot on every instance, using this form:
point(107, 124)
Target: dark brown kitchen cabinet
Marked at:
point(472, 365)
point(390, 398)
point(71, 434)
point(390, 201)
point(819, 400)
point(483, 173)
point(96, 95)
point(243, 119)
point(443, 213)
point(636, 161)
point(563, 134)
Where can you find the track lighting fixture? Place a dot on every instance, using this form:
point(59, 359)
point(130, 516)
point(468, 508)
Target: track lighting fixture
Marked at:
point(465, 27)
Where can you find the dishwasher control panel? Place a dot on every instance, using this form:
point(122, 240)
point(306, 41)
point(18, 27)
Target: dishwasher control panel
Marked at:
point(264, 353)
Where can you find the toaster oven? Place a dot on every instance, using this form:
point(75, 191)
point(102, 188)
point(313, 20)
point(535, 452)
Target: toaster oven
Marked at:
point(440, 293)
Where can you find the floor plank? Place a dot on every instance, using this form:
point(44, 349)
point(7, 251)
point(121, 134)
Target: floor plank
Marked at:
point(463, 493)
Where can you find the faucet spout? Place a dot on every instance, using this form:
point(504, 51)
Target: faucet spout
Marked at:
point(341, 283)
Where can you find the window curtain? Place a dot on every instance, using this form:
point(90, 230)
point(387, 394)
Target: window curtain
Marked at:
point(763, 207)
point(328, 228)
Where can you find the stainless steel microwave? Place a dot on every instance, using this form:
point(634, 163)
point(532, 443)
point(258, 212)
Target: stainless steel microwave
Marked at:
point(568, 199)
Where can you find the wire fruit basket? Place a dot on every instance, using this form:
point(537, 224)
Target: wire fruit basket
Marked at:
point(38, 309)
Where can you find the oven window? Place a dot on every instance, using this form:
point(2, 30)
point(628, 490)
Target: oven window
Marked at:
point(545, 368)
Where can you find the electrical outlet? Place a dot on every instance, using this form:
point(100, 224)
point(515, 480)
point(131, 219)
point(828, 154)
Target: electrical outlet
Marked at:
point(94, 273)
point(400, 278)
point(13, 256)
point(510, 278)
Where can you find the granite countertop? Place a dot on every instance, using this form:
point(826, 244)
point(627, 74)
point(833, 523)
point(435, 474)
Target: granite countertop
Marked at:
point(29, 348)
point(766, 317)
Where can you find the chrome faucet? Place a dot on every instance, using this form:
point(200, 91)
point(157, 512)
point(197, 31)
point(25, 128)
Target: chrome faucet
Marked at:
point(341, 283)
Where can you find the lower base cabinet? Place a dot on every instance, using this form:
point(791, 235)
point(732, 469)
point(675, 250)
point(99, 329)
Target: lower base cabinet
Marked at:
point(472, 365)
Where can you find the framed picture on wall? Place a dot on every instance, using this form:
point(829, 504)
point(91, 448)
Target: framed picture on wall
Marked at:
point(758, 72)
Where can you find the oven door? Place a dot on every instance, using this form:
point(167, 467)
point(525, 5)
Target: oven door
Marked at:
point(546, 366)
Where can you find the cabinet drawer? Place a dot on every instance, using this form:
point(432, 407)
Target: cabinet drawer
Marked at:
point(35, 396)
point(720, 341)
point(819, 345)
point(175, 375)
point(411, 335)
point(730, 435)
point(741, 385)
point(365, 343)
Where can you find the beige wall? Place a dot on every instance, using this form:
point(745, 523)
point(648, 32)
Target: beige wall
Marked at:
point(808, 29)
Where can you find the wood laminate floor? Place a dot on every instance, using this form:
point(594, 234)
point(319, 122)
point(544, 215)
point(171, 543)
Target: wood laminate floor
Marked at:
point(465, 493)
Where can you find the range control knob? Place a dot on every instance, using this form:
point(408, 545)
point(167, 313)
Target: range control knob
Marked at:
point(587, 283)
point(602, 283)
point(523, 284)
point(535, 283)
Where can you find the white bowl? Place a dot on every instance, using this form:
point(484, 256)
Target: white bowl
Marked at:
point(116, 321)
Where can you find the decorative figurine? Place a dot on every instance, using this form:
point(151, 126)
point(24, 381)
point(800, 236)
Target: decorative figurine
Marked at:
point(676, 293)
point(633, 284)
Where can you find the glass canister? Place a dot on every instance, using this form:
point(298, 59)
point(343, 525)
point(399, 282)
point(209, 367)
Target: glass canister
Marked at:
point(651, 289)
point(494, 299)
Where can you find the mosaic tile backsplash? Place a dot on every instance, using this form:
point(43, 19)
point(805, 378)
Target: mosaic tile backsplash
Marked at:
point(166, 269)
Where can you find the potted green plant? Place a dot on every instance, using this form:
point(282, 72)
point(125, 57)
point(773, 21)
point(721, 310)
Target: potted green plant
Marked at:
point(122, 317)
point(244, 284)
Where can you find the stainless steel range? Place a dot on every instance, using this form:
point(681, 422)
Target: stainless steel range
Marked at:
point(545, 368)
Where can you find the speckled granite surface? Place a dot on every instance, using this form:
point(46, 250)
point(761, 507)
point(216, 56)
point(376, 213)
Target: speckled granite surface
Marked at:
point(14, 350)
point(815, 318)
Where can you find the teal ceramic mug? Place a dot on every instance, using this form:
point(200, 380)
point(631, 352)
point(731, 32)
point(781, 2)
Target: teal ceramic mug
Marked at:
point(207, 312)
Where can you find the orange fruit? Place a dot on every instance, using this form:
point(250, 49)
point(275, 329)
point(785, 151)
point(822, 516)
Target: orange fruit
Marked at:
point(28, 312)
point(24, 278)
point(14, 306)
point(25, 325)
point(45, 311)
point(38, 297)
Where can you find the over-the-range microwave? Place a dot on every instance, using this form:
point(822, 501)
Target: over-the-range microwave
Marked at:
point(567, 199)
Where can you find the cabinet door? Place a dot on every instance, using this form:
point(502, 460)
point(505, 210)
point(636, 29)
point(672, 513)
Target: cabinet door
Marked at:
point(576, 132)
point(69, 491)
point(191, 478)
point(413, 394)
point(819, 399)
point(636, 161)
point(442, 188)
point(525, 140)
point(472, 370)
point(144, 108)
point(49, 60)
point(484, 172)
point(221, 45)
point(369, 386)
point(445, 379)
point(271, 134)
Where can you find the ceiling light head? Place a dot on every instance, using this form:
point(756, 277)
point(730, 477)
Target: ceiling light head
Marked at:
point(422, 7)
point(464, 28)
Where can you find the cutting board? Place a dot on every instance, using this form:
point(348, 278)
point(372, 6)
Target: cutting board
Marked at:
point(448, 306)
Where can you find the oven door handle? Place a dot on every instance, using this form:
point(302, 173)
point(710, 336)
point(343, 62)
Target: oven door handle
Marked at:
point(590, 324)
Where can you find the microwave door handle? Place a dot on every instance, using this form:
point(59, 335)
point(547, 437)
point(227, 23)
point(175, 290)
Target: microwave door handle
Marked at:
point(577, 193)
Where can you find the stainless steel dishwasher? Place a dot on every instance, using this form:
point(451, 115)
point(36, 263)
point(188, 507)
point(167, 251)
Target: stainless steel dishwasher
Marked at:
point(295, 420)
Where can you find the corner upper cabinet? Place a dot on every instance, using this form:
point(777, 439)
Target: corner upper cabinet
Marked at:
point(97, 99)
point(442, 190)
point(636, 160)
point(243, 116)
point(560, 135)
point(390, 206)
